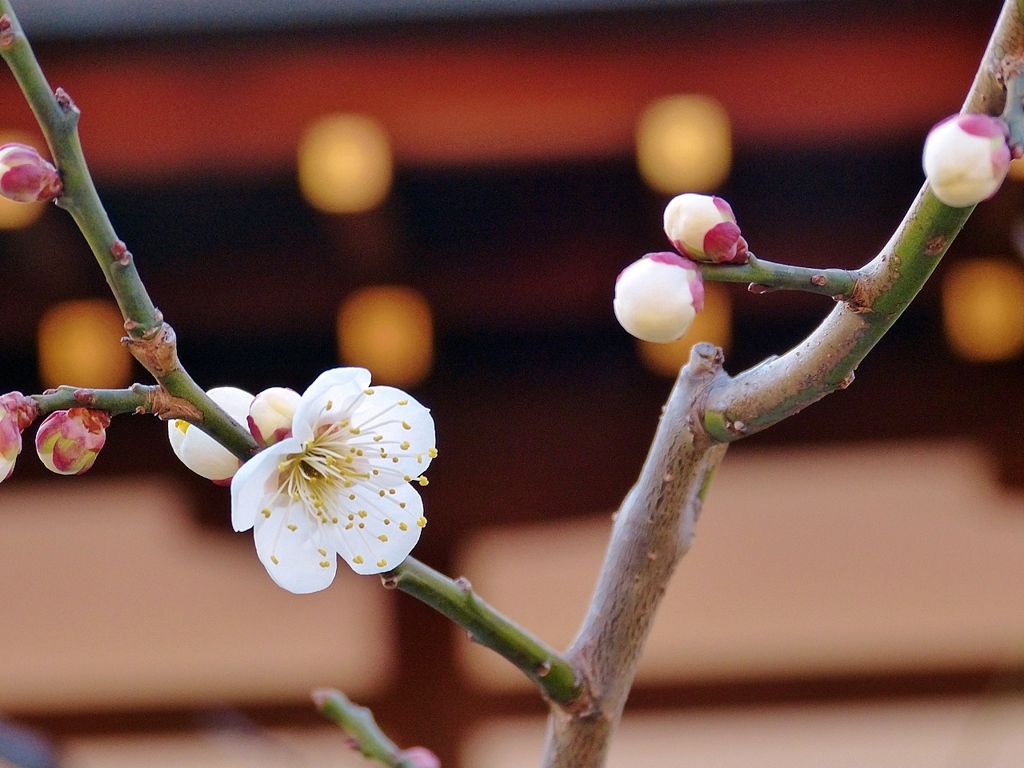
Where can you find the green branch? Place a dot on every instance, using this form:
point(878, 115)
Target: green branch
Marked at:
point(765, 276)
point(358, 724)
point(548, 669)
point(150, 339)
point(827, 359)
point(138, 398)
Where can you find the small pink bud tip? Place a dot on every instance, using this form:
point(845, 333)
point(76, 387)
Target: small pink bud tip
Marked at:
point(966, 158)
point(26, 176)
point(703, 227)
point(419, 757)
point(68, 442)
point(657, 297)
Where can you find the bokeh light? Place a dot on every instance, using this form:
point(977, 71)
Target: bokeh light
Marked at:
point(684, 144)
point(344, 164)
point(79, 344)
point(983, 309)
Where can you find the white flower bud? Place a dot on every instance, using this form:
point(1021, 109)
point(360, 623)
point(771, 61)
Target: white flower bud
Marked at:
point(704, 228)
point(271, 413)
point(200, 452)
point(966, 158)
point(657, 297)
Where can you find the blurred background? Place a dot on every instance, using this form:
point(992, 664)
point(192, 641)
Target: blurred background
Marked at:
point(443, 191)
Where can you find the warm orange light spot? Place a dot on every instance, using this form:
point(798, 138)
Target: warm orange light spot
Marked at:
point(983, 309)
point(79, 343)
point(387, 329)
point(344, 164)
point(712, 324)
point(684, 144)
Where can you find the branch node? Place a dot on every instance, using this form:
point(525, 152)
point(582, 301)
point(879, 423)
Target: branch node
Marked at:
point(935, 246)
point(389, 580)
point(543, 668)
point(166, 406)
point(847, 380)
point(121, 253)
point(84, 397)
point(64, 101)
point(463, 583)
point(7, 34)
point(819, 279)
point(156, 349)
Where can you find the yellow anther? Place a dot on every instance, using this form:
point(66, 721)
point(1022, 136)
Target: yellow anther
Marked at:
point(282, 466)
point(358, 559)
point(382, 493)
point(432, 452)
point(182, 426)
point(330, 404)
point(403, 402)
point(349, 459)
point(419, 458)
point(403, 527)
point(378, 438)
point(323, 552)
point(387, 521)
point(348, 483)
point(423, 480)
point(394, 459)
point(355, 430)
point(381, 563)
point(359, 451)
point(348, 527)
point(351, 497)
point(421, 522)
point(363, 513)
point(295, 496)
point(343, 424)
point(334, 520)
point(383, 453)
point(362, 525)
point(351, 517)
point(405, 445)
point(406, 425)
point(367, 391)
point(265, 512)
point(376, 471)
point(383, 537)
point(325, 564)
point(401, 504)
point(274, 560)
point(292, 527)
point(408, 478)
point(391, 491)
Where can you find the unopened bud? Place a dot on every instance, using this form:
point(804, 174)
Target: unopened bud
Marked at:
point(270, 415)
point(16, 413)
point(200, 452)
point(657, 297)
point(418, 757)
point(68, 442)
point(966, 158)
point(704, 228)
point(26, 176)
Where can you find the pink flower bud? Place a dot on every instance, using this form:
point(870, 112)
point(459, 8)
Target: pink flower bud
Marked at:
point(25, 176)
point(657, 297)
point(68, 442)
point(704, 229)
point(271, 413)
point(16, 413)
point(418, 757)
point(966, 158)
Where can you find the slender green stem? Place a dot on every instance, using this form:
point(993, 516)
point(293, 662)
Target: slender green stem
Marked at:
point(551, 672)
point(827, 359)
point(138, 398)
point(150, 339)
point(358, 724)
point(765, 276)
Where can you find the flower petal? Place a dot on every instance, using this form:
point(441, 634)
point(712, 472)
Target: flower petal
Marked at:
point(255, 484)
point(383, 537)
point(397, 431)
point(344, 383)
point(293, 556)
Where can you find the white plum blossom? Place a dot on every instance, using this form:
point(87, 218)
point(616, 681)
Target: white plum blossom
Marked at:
point(658, 296)
point(200, 452)
point(341, 484)
point(966, 158)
